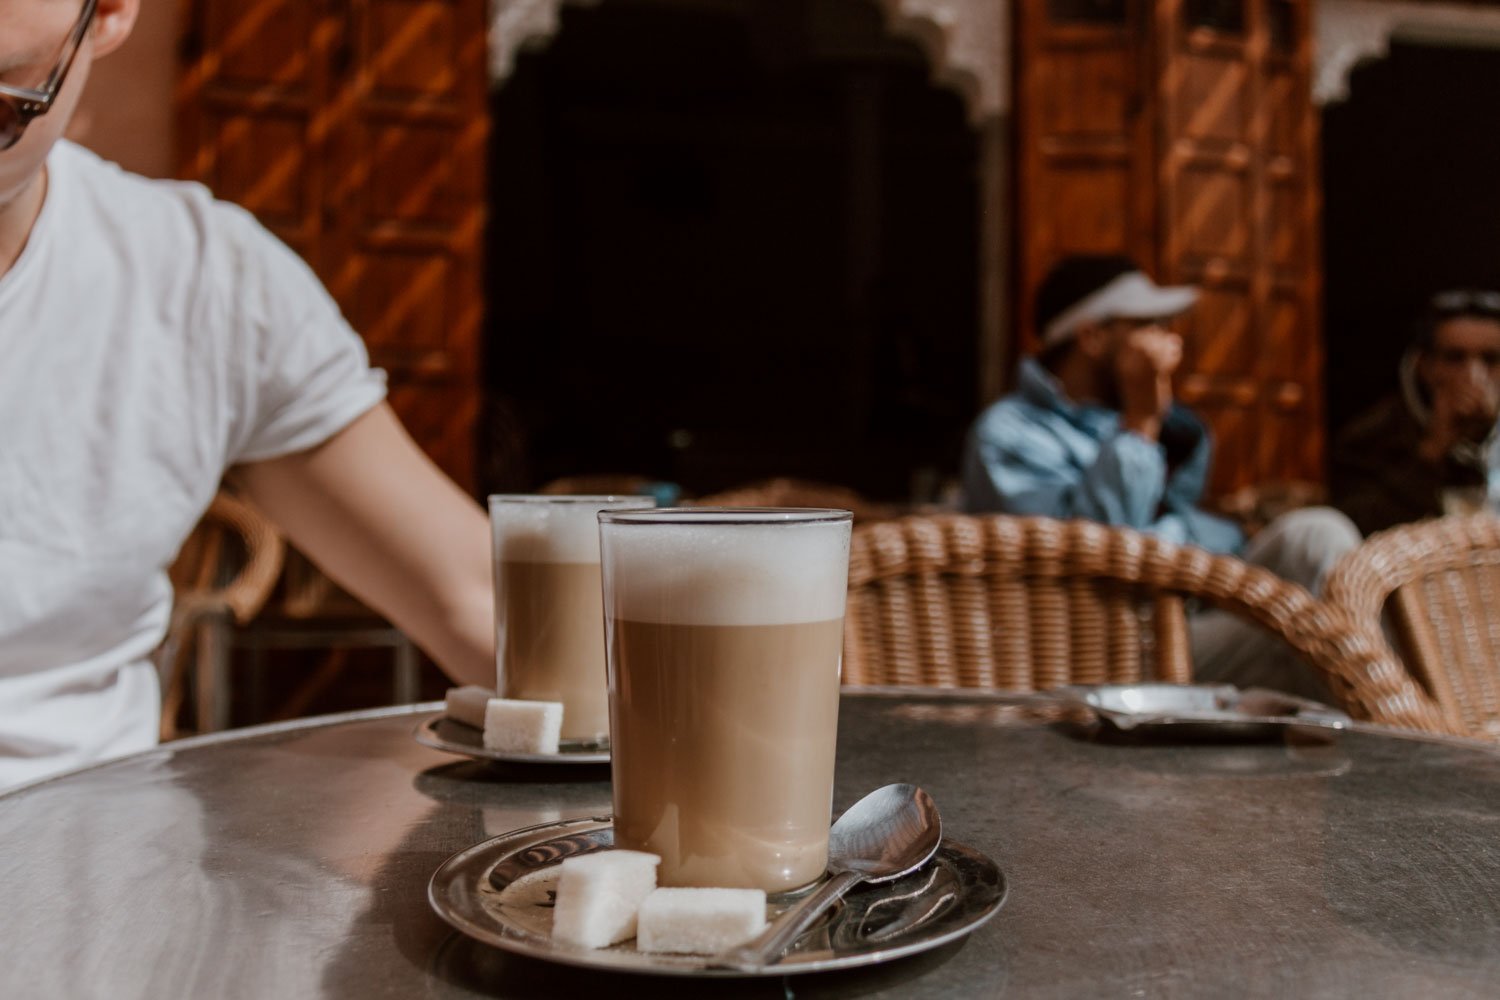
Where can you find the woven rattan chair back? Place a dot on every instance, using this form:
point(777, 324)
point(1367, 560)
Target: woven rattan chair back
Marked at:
point(1030, 603)
point(223, 575)
point(1437, 584)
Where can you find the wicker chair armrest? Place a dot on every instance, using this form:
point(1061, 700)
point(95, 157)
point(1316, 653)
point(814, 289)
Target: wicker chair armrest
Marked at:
point(1363, 673)
point(246, 593)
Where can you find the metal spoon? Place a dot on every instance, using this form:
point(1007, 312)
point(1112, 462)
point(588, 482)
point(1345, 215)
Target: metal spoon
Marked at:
point(889, 833)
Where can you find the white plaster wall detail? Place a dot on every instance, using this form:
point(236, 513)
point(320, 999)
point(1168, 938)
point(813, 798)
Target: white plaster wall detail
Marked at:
point(966, 41)
point(968, 44)
point(1345, 32)
point(518, 24)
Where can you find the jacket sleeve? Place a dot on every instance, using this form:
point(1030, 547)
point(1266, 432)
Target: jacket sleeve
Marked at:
point(1189, 451)
point(1016, 467)
point(1378, 480)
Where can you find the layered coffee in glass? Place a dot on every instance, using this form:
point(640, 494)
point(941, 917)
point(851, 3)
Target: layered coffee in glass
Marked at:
point(549, 621)
point(724, 633)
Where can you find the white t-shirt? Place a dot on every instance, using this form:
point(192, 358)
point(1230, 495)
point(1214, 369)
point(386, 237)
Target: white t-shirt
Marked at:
point(150, 338)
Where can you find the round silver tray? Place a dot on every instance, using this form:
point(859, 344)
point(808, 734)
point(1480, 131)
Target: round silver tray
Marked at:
point(442, 733)
point(1202, 711)
point(500, 892)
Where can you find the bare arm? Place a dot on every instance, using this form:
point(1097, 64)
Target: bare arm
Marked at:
point(384, 522)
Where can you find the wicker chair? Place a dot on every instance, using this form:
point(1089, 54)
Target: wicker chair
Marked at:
point(240, 587)
point(784, 491)
point(222, 577)
point(1437, 585)
point(1023, 604)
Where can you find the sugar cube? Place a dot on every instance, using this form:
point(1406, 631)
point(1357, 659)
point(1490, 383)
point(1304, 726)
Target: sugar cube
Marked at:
point(598, 895)
point(466, 704)
point(700, 921)
point(512, 726)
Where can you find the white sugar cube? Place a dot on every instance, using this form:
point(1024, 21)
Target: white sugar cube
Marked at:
point(598, 895)
point(700, 921)
point(466, 704)
point(512, 726)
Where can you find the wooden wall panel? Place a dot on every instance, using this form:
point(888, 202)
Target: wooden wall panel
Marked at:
point(260, 45)
point(1082, 121)
point(355, 129)
point(263, 156)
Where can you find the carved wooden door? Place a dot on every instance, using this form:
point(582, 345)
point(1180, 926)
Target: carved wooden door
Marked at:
point(1084, 152)
point(1182, 132)
point(355, 130)
point(1236, 203)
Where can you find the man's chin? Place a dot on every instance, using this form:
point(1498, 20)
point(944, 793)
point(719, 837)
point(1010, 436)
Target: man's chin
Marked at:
point(14, 193)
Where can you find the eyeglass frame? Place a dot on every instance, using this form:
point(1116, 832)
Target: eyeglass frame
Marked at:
point(1456, 302)
point(30, 104)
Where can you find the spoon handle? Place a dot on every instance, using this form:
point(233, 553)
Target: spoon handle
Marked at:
point(767, 947)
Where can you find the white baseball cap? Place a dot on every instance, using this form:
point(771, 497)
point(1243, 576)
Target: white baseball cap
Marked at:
point(1130, 295)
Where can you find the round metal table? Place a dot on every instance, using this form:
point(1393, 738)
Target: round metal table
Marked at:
point(293, 861)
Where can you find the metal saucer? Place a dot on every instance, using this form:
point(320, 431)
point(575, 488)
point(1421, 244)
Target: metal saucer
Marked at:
point(1203, 711)
point(441, 733)
point(500, 892)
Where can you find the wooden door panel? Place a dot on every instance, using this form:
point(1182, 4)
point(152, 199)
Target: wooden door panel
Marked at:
point(400, 303)
point(1234, 428)
point(1286, 237)
point(1219, 111)
point(1086, 92)
point(355, 129)
point(1284, 108)
point(1238, 206)
point(416, 51)
point(1218, 334)
point(417, 180)
point(1083, 140)
point(266, 44)
point(1210, 215)
point(1286, 351)
point(1081, 206)
point(441, 416)
point(263, 156)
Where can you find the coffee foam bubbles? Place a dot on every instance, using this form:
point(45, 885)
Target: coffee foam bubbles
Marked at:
point(552, 531)
point(697, 573)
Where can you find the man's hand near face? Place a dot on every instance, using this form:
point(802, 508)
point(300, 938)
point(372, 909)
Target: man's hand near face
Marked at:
point(1463, 409)
point(1144, 363)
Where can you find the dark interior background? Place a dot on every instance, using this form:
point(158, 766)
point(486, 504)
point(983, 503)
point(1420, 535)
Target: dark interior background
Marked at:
point(730, 241)
point(1411, 178)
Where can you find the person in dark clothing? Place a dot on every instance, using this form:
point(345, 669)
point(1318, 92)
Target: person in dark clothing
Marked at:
point(1430, 448)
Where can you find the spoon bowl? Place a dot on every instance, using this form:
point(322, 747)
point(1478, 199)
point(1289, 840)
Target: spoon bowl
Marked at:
point(891, 832)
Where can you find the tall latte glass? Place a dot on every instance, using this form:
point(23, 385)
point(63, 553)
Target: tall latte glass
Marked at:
point(549, 623)
point(724, 633)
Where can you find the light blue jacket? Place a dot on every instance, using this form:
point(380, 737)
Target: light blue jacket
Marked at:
point(1036, 451)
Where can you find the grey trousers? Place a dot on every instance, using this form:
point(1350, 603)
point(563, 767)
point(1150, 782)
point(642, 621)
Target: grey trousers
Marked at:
point(1301, 546)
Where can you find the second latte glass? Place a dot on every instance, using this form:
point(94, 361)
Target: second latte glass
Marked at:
point(549, 623)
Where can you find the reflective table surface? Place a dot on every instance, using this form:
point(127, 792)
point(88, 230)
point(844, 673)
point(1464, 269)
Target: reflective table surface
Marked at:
point(293, 861)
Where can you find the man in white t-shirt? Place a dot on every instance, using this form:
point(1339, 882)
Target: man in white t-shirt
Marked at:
point(151, 340)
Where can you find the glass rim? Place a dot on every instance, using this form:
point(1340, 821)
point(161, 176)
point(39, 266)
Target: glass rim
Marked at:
point(569, 498)
point(728, 516)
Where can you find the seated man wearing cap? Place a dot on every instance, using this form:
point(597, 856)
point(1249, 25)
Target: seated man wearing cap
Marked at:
point(1092, 431)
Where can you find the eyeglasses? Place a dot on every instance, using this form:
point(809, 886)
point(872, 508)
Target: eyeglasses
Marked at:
point(1466, 302)
point(19, 105)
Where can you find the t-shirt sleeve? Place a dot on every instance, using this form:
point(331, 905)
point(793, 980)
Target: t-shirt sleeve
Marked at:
point(301, 374)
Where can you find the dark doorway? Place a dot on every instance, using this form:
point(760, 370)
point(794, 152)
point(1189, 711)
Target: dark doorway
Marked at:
point(730, 240)
point(1412, 205)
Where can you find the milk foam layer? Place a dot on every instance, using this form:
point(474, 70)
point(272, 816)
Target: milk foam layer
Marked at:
point(552, 529)
point(695, 573)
